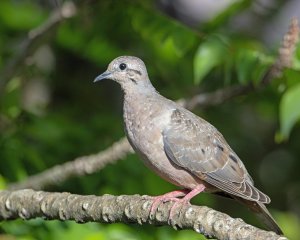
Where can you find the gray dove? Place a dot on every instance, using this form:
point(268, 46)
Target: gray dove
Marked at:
point(179, 146)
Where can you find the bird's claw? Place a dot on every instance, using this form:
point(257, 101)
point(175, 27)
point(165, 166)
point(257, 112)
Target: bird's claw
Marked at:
point(157, 201)
point(168, 197)
point(180, 203)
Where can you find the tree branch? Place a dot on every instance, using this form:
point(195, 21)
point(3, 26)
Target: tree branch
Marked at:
point(79, 167)
point(29, 44)
point(29, 204)
point(217, 97)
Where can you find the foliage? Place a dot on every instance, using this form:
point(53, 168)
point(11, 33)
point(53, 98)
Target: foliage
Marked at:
point(50, 112)
point(289, 109)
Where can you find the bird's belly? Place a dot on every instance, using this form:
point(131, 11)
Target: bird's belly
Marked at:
point(153, 155)
point(175, 175)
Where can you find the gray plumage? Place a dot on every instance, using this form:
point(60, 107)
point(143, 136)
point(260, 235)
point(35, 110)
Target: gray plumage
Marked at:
point(179, 146)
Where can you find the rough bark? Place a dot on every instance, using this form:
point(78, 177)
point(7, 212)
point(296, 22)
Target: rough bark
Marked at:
point(29, 204)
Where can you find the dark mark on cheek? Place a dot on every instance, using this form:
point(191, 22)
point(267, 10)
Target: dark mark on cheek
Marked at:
point(136, 71)
point(133, 80)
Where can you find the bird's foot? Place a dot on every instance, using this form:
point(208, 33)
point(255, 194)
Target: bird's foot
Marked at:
point(184, 201)
point(171, 196)
point(180, 203)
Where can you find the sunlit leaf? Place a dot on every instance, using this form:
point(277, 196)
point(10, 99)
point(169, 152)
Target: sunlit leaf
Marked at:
point(209, 54)
point(290, 77)
point(2, 182)
point(289, 110)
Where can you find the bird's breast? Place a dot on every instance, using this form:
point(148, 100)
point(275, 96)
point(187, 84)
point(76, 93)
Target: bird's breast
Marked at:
point(144, 124)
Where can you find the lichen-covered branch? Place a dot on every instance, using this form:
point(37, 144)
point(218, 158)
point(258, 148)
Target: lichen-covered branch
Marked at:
point(29, 44)
point(29, 204)
point(93, 163)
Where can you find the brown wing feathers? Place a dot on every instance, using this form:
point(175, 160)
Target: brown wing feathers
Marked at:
point(198, 147)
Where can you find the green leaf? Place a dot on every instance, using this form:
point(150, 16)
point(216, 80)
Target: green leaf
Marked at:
point(2, 182)
point(289, 110)
point(251, 65)
point(11, 104)
point(21, 15)
point(209, 55)
point(162, 31)
point(296, 59)
point(290, 77)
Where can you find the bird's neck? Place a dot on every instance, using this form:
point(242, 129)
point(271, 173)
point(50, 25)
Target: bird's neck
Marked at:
point(138, 92)
point(138, 100)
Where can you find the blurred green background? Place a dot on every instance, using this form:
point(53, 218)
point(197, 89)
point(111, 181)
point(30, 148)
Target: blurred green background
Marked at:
point(51, 112)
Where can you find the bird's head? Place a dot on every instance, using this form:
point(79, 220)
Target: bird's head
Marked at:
point(129, 72)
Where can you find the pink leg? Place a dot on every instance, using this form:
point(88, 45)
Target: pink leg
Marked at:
point(186, 199)
point(171, 196)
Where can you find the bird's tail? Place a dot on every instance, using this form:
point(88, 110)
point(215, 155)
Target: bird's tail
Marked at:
point(263, 214)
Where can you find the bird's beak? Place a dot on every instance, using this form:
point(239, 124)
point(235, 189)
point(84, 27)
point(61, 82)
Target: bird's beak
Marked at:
point(105, 75)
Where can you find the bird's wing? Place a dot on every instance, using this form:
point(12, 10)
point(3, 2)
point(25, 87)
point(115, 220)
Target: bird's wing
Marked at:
point(195, 145)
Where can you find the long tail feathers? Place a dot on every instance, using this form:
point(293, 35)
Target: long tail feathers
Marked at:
point(263, 214)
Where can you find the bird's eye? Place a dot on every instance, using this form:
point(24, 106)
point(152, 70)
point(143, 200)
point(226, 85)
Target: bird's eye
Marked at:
point(122, 66)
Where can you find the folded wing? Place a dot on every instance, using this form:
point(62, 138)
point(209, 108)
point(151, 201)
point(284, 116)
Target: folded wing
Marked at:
point(195, 145)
